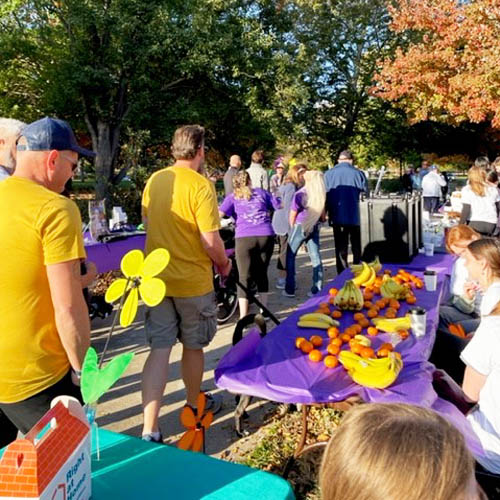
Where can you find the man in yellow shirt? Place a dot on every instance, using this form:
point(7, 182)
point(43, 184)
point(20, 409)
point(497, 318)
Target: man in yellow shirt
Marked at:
point(179, 209)
point(44, 322)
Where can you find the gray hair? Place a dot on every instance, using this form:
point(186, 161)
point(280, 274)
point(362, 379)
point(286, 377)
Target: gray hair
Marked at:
point(10, 130)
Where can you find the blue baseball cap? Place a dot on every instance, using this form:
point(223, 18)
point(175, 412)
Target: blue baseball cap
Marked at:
point(50, 133)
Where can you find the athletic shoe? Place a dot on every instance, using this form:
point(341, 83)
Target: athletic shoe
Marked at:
point(286, 294)
point(214, 402)
point(152, 439)
point(280, 285)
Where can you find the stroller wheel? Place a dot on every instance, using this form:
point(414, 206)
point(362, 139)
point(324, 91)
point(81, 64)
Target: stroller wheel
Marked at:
point(227, 300)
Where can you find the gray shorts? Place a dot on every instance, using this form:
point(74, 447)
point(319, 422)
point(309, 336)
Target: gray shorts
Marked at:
point(192, 320)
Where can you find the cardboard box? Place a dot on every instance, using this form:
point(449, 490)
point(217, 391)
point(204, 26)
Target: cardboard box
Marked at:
point(52, 462)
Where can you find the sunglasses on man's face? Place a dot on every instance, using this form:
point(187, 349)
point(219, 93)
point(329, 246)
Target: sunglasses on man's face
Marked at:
point(74, 165)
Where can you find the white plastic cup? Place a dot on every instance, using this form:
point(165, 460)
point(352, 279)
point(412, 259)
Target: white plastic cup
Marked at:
point(418, 318)
point(429, 249)
point(430, 280)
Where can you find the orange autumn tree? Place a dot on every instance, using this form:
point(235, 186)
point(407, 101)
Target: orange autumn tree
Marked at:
point(449, 68)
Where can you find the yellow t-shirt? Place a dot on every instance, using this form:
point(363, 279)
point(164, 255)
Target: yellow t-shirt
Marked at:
point(179, 204)
point(37, 227)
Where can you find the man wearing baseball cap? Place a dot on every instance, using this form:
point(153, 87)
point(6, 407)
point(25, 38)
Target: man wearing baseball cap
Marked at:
point(44, 322)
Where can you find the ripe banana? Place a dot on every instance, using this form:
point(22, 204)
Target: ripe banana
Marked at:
point(364, 275)
point(349, 297)
point(361, 339)
point(392, 290)
point(378, 373)
point(319, 317)
point(313, 324)
point(371, 279)
point(392, 324)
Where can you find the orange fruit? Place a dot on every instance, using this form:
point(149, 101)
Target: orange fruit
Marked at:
point(358, 316)
point(367, 304)
point(315, 355)
point(380, 303)
point(338, 342)
point(350, 331)
point(345, 337)
point(371, 330)
point(403, 334)
point(331, 300)
point(418, 283)
point(298, 342)
point(411, 299)
point(324, 305)
point(330, 361)
point(356, 348)
point(357, 328)
point(394, 304)
point(368, 295)
point(391, 309)
point(390, 314)
point(333, 349)
point(333, 292)
point(306, 347)
point(376, 290)
point(364, 322)
point(316, 340)
point(336, 314)
point(372, 313)
point(387, 345)
point(367, 352)
point(383, 352)
point(333, 332)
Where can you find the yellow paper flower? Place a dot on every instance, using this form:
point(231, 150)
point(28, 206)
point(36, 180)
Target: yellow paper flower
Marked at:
point(139, 280)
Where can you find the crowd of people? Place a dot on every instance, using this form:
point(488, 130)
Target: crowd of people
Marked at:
point(46, 324)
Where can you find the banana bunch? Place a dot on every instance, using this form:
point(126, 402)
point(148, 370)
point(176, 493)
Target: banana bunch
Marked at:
point(362, 340)
point(392, 290)
point(316, 320)
point(365, 274)
point(392, 324)
point(349, 297)
point(378, 373)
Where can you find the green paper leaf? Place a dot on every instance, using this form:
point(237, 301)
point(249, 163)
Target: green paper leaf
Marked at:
point(95, 382)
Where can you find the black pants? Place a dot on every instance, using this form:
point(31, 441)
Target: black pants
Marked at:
point(342, 233)
point(483, 228)
point(25, 414)
point(446, 355)
point(253, 254)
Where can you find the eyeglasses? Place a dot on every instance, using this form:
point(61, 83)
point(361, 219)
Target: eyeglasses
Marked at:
point(74, 165)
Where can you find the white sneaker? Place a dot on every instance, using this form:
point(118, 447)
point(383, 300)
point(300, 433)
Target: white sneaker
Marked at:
point(285, 294)
point(280, 285)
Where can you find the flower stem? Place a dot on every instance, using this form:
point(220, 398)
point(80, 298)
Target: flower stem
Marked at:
point(115, 319)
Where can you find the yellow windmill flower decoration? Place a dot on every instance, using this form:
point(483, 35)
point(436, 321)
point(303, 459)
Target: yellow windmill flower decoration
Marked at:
point(139, 281)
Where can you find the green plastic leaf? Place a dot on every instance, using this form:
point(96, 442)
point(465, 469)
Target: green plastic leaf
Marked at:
point(94, 382)
point(129, 308)
point(155, 262)
point(115, 290)
point(152, 291)
point(131, 263)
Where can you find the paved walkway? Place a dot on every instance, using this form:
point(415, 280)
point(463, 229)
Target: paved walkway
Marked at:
point(120, 409)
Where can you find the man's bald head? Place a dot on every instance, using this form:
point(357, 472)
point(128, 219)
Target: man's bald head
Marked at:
point(235, 161)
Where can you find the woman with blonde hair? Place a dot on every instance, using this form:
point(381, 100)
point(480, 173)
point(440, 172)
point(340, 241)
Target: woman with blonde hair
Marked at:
point(294, 180)
point(251, 208)
point(307, 209)
point(480, 203)
point(482, 354)
point(395, 452)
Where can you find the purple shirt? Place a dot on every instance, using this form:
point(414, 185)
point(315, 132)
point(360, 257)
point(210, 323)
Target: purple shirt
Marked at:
point(299, 205)
point(253, 216)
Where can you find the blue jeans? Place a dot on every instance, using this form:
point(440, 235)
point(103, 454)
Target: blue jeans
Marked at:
point(295, 239)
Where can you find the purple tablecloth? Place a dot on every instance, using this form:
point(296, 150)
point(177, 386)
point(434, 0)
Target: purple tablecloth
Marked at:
point(272, 368)
point(440, 262)
point(107, 256)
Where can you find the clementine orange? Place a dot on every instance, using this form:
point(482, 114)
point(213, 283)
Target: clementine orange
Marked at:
point(298, 342)
point(331, 361)
point(367, 352)
point(336, 314)
point(315, 355)
point(372, 330)
point(306, 347)
point(333, 332)
point(333, 292)
point(316, 340)
point(338, 341)
point(333, 349)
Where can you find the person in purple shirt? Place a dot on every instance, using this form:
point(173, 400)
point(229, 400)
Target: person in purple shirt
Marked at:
point(252, 209)
point(308, 208)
